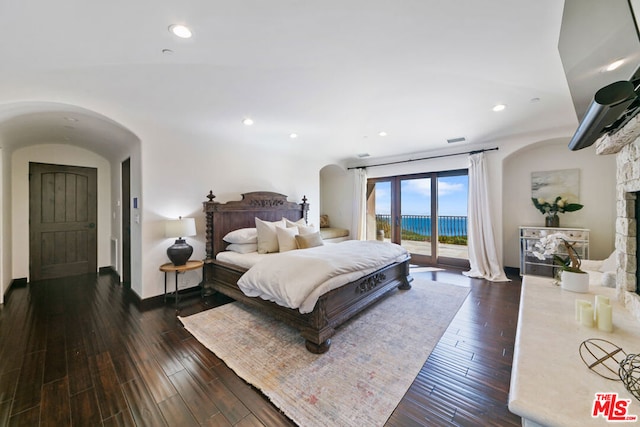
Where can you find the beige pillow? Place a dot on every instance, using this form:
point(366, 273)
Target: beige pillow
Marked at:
point(303, 228)
point(324, 221)
point(290, 223)
point(309, 240)
point(287, 238)
point(267, 238)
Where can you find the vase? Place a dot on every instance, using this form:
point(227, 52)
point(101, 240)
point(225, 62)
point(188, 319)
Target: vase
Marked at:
point(552, 220)
point(574, 282)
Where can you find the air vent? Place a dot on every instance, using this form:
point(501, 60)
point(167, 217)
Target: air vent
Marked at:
point(452, 140)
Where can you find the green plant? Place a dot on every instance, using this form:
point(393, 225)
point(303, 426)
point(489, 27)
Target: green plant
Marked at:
point(559, 205)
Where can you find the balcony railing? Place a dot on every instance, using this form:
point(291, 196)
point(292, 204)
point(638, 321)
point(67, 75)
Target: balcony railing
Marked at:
point(451, 229)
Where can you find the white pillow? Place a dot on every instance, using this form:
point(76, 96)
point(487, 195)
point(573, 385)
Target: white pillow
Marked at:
point(609, 264)
point(303, 228)
point(242, 235)
point(287, 238)
point(267, 238)
point(290, 223)
point(608, 279)
point(242, 248)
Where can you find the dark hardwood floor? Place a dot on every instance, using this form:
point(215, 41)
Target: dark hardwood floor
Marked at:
point(78, 351)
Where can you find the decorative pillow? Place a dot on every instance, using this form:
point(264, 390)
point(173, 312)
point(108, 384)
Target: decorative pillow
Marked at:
point(608, 279)
point(242, 248)
point(309, 240)
point(242, 235)
point(609, 264)
point(290, 223)
point(287, 238)
point(267, 238)
point(303, 228)
point(324, 221)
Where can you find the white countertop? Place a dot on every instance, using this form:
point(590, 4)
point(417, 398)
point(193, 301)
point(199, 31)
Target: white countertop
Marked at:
point(550, 384)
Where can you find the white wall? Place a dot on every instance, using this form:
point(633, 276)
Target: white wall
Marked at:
point(336, 190)
point(54, 154)
point(509, 190)
point(169, 180)
point(597, 194)
point(176, 180)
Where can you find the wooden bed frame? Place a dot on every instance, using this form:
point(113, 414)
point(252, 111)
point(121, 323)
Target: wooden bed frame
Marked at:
point(332, 309)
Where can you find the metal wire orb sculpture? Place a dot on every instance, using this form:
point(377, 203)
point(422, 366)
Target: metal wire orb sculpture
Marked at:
point(629, 373)
point(602, 357)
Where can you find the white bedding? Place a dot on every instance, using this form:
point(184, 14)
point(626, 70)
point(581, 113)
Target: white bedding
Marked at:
point(242, 260)
point(296, 279)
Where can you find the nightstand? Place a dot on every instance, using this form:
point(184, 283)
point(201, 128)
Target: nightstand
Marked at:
point(177, 269)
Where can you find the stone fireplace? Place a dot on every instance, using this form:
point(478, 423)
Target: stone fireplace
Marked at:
point(625, 144)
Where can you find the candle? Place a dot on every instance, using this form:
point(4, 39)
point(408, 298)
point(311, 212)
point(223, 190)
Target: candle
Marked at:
point(605, 318)
point(599, 299)
point(579, 304)
point(586, 315)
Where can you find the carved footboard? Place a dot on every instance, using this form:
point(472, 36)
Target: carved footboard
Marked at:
point(332, 309)
point(339, 305)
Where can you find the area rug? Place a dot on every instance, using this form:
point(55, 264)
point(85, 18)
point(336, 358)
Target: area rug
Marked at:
point(372, 361)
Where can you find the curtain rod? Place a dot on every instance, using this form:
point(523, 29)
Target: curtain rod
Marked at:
point(423, 158)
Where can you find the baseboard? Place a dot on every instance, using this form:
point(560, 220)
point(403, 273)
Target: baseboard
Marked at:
point(512, 271)
point(158, 300)
point(109, 270)
point(19, 283)
point(15, 283)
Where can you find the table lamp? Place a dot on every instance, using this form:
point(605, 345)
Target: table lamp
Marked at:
point(180, 251)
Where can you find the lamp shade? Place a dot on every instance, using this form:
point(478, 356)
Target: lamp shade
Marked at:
point(180, 227)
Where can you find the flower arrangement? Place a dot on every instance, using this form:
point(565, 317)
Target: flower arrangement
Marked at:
point(559, 205)
point(548, 245)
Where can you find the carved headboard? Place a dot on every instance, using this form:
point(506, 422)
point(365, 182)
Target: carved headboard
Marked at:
point(222, 218)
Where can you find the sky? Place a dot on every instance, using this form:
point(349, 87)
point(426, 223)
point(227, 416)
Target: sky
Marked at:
point(416, 196)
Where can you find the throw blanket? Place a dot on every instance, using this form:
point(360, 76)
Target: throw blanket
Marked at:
point(296, 279)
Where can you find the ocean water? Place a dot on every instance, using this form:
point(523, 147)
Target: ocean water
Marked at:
point(421, 224)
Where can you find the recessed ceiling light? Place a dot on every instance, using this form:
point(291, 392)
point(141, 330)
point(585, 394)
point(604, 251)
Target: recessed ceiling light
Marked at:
point(180, 30)
point(536, 99)
point(499, 107)
point(247, 122)
point(614, 65)
point(167, 51)
point(71, 119)
point(293, 135)
point(383, 133)
point(363, 155)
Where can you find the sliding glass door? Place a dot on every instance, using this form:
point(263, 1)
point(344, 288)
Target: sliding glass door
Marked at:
point(399, 209)
point(453, 192)
point(415, 214)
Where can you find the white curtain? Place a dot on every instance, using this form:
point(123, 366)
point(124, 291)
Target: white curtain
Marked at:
point(483, 257)
point(360, 204)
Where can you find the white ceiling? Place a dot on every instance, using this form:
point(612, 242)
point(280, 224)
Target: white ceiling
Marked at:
point(336, 72)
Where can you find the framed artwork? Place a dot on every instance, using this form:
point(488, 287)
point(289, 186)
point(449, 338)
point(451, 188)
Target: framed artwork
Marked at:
point(551, 184)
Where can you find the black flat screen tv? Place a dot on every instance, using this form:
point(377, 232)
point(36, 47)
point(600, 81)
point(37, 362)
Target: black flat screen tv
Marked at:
point(594, 34)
